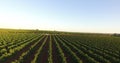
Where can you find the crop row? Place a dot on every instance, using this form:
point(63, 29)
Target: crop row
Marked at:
point(46, 48)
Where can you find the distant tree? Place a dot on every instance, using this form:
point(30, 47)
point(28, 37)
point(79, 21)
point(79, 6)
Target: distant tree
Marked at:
point(115, 34)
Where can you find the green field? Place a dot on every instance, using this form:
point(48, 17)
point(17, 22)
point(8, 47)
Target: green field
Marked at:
point(34, 46)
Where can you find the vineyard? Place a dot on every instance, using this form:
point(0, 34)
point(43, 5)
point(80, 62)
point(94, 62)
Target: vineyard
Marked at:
point(58, 47)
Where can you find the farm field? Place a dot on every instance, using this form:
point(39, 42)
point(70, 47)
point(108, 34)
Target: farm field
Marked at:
point(33, 46)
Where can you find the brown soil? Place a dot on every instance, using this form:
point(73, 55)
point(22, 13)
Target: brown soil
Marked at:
point(69, 58)
point(55, 53)
point(18, 53)
point(43, 56)
point(76, 52)
point(31, 55)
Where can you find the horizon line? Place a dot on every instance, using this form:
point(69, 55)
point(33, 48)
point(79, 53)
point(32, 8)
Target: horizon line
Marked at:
point(58, 30)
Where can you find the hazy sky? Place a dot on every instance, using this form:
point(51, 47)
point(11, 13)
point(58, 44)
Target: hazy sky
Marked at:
point(64, 15)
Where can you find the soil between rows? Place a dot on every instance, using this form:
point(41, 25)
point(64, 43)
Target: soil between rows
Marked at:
point(31, 55)
point(55, 53)
point(43, 56)
point(19, 53)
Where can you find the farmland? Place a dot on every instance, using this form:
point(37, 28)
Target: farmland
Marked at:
point(34, 46)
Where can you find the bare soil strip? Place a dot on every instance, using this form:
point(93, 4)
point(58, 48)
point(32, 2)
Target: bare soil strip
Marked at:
point(55, 53)
point(31, 55)
point(19, 53)
point(69, 58)
point(43, 56)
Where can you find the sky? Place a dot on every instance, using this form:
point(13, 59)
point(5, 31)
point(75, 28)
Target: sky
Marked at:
point(99, 16)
